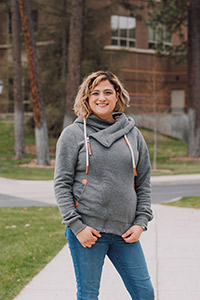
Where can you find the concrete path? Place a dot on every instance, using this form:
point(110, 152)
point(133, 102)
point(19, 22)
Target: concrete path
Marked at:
point(172, 250)
point(26, 191)
point(171, 246)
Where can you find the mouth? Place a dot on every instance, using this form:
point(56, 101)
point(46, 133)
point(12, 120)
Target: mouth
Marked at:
point(102, 104)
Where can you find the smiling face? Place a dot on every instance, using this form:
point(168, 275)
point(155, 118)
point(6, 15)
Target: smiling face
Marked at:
point(102, 100)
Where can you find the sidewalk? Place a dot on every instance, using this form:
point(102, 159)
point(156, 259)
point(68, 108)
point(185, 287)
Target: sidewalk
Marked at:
point(172, 250)
point(29, 190)
point(171, 246)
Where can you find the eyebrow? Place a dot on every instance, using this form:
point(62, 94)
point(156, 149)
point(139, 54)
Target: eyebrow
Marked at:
point(109, 89)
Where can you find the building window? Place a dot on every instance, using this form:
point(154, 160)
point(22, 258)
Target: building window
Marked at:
point(157, 35)
point(123, 31)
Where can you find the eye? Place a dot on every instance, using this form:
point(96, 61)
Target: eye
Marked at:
point(108, 93)
point(94, 93)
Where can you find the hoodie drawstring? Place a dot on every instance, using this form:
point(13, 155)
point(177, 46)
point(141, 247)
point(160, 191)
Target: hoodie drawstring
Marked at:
point(88, 150)
point(132, 155)
point(86, 147)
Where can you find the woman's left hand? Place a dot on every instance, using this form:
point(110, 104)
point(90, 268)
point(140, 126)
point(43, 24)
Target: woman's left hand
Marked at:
point(133, 234)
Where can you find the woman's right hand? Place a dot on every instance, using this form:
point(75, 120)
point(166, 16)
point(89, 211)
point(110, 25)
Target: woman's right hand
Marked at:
point(88, 236)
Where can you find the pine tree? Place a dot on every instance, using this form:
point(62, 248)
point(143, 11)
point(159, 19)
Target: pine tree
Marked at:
point(74, 57)
point(41, 134)
point(174, 15)
point(17, 82)
point(194, 77)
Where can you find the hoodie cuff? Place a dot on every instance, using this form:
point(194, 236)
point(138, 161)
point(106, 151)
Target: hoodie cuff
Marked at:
point(142, 222)
point(77, 226)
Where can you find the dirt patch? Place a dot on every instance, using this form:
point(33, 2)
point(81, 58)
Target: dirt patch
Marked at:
point(185, 158)
point(33, 164)
point(161, 170)
point(32, 150)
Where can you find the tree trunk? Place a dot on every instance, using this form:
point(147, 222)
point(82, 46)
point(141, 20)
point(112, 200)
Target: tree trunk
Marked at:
point(41, 134)
point(64, 51)
point(17, 82)
point(74, 58)
point(194, 78)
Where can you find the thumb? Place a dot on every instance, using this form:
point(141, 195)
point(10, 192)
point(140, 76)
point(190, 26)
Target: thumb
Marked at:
point(95, 232)
point(127, 233)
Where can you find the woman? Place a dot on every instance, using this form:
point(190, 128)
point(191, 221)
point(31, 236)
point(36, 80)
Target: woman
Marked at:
point(102, 186)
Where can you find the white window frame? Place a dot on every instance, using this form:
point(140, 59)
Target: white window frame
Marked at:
point(116, 40)
point(155, 32)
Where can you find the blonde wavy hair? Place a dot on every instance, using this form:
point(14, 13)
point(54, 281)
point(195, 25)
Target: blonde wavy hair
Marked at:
point(81, 105)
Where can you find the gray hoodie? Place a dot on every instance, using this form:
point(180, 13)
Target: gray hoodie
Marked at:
point(105, 192)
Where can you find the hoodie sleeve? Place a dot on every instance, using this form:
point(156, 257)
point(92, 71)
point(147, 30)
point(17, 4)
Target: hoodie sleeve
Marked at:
point(143, 185)
point(66, 159)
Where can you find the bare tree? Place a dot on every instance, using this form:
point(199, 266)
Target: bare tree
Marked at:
point(74, 57)
point(64, 48)
point(176, 15)
point(194, 77)
point(157, 91)
point(17, 82)
point(41, 134)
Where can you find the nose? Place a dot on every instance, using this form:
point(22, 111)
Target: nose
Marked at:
point(102, 97)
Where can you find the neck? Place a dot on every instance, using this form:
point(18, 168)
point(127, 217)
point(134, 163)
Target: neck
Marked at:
point(109, 118)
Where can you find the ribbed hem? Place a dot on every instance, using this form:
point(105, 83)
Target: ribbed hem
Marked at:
point(142, 222)
point(106, 226)
point(77, 226)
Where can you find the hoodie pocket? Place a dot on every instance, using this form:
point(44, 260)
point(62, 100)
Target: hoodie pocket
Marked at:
point(78, 190)
point(90, 199)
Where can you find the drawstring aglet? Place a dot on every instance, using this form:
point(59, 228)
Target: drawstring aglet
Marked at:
point(87, 168)
point(134, 171)
point(89, 148)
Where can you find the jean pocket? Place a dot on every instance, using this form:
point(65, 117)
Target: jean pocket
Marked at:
point(66, 231)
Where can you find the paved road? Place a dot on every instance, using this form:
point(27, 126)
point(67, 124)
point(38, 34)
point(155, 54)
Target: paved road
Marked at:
point(30, 193)
point(163, 193)
point(12, 201)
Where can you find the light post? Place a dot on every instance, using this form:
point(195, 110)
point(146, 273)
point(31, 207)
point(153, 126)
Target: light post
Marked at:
point(1, 87)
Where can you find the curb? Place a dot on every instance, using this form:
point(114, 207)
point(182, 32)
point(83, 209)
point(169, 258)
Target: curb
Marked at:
point(176, 179)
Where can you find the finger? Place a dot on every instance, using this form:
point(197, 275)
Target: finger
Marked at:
point(130, 239)
point(93, 240)
point(95, 232)
point(127, 233)
point(90, 242)
point(89, 245)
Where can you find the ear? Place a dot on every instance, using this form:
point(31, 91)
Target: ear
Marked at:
point(117, 97)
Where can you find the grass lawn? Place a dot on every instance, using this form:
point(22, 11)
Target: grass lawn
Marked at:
point(168, 148)
point(191, 202)
point(9, 166)
point(168, 154)
point(30, 238)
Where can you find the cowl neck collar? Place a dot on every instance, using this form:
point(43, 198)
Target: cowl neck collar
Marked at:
point(106, 132)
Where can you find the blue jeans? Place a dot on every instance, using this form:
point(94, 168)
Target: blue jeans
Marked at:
point(128, 259)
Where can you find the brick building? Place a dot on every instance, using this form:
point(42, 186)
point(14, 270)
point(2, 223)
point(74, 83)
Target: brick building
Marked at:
point(156, 84)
